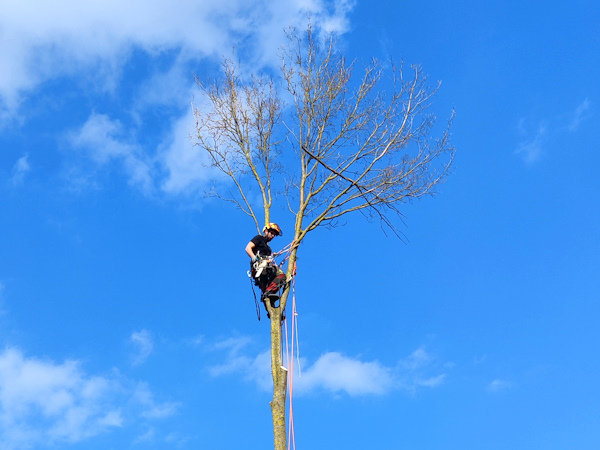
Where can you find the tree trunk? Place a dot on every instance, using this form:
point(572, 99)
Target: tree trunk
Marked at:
point(279, 381)
point(278, 371)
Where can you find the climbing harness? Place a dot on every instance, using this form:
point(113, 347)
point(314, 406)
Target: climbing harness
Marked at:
point(262, 266)
point(267, 266)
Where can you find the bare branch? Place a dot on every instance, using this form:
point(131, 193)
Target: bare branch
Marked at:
point(346, 144)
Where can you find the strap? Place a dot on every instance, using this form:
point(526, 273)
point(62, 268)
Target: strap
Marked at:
point(255, 300)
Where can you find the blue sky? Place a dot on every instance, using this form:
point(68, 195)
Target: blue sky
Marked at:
point(127, 319)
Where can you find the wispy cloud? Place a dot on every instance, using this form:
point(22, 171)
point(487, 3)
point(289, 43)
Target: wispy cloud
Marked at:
point(186, 165)
point(334, 372)
point(535, 139)
point(255, 368)
point(143, 344)
point(419, 369)
point(152, 408)
point(20, 170)
point(531, 148)
point(581, 113)
point(104, 140)
point(176, 166)
point(498, 385)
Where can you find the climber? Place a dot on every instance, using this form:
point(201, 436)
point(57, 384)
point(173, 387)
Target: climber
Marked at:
point(265, 272)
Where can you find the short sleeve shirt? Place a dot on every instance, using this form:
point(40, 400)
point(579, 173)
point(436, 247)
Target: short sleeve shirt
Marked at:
point(261, 245)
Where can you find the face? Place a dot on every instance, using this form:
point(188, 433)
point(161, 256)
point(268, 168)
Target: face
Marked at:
point(270, 234)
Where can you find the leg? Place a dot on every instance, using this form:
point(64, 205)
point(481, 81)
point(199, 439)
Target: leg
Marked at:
point(277, 282)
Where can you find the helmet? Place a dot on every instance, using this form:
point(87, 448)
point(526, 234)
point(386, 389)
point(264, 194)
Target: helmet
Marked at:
point(274, 227)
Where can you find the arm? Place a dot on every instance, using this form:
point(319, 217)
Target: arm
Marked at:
point(250, 250)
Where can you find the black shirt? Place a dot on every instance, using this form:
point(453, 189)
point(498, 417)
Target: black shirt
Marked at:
point(261, 245)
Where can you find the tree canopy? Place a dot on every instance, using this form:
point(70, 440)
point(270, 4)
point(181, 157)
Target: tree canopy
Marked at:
point(330, 140)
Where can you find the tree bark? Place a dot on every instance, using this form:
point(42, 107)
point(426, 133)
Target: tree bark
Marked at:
point(278, 371)
point(279, 381)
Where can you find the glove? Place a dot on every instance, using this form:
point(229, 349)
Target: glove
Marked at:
point(254, 258)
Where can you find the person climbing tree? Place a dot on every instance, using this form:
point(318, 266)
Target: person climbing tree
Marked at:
point(267, 275)
point(322, 139)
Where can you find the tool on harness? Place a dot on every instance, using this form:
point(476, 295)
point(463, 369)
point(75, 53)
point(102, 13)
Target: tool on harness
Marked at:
point(262, 270)
point(262, 264)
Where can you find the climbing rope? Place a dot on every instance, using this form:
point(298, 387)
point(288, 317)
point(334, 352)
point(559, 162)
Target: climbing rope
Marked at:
point(286, 251)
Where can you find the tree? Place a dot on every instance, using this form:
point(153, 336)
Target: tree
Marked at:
point(338, 146)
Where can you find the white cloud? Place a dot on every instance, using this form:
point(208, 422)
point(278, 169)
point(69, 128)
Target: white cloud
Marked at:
point(333, 372)
point(20, 170)
point(152, 409)
point(195, 341)
point(255, 369)
point(43, 402)
point(530, 149)
point(534, 139)
point(177, 166)
point(186, 165)
point(337, 21)
point(169, 88)
point(233, 345)
point(93, 43)
point(46, 41)
point(336, 373)
point(498, 385)
point(47, 404)
point(143, 343)
point(43, 40)
point(104, 141)
point(95, 40)
point(417, 359)
point(148, 436)
point(415, 371)
point(579, 115)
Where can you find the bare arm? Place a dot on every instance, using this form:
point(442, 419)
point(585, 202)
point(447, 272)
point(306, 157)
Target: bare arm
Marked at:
point(250, 250)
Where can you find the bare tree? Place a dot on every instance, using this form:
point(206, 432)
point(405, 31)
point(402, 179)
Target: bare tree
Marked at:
point(339, 145)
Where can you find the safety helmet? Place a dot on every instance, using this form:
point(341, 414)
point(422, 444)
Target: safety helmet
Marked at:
point(274, 227)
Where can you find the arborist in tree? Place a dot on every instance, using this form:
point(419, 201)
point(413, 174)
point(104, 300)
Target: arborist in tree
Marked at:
point(267, 275)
